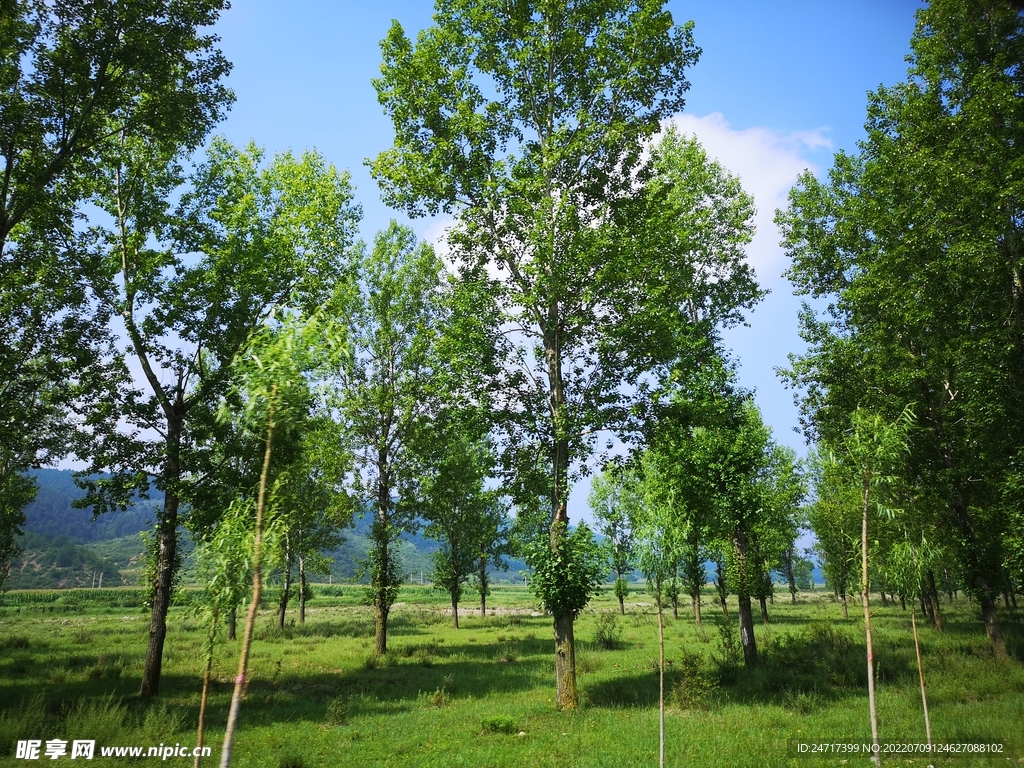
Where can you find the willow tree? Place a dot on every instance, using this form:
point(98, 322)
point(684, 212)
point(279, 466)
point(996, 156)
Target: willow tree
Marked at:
point(529, 122)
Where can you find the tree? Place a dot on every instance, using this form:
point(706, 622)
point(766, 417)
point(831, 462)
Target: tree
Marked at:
point(608, 505)
point(914, 242)
point(75, 73)
point(385, 397)
point(869, 457)
point(659, 530)
point(72, 74)
point(190, 286)
point(271, 381)
point(530, 122)
point(456, 505)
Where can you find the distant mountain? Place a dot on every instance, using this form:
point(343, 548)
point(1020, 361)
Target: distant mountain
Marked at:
point(52, 513)
point(64, 547)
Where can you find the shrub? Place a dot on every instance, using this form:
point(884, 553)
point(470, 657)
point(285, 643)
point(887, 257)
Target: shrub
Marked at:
point(692, 689)
point(337, 711)
point(499, 724)
point(608, 634)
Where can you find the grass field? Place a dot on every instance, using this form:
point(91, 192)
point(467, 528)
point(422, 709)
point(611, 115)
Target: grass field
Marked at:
point(70, 665)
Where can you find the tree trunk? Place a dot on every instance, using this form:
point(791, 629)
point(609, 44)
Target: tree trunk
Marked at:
point(483, 586)
point(661, 680)
point(567, 694)
point(764, 610)
point(920, 675)
point(206, 690)
point(977, 573)
point(903, 602)
point(720, 584)
point(622, 605)
point(232, 621)
point(455, 611)
point(739, 542)
point(846, 609)
point(382, 540)
point(790, 576)
point(257, 584)
point(864, 585)
point(302, 589)
point(933, 598)
point(696, 609)
point(287, 587)
point(380, 623)
point(166, 558)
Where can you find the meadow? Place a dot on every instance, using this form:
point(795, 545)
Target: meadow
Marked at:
point(70, 665)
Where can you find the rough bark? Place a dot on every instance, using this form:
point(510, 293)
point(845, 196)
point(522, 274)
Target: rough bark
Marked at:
point(567, 694)
point(166, 559)
point(747, 638)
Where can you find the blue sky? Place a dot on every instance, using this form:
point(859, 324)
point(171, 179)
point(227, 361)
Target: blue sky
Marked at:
point(779, 87)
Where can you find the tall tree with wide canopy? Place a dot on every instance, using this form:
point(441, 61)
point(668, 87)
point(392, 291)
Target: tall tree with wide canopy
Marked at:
point(73, 75)
point(530, 122)
point(190, 284)
point(915, 242)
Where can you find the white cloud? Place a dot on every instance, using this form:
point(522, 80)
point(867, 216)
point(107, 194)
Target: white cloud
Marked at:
point(767, 162)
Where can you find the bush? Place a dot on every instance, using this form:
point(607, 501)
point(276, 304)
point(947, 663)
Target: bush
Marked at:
point(608, 634)
point(337, 711)
point(499, 724)
point(692, 689)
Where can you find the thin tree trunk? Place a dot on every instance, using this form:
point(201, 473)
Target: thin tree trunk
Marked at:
point(166, 558)
point(206, 691)
point(764, 610)
point(720, 584)
point(696, 610)
point(846, 609)
point(483, 586)
point(455, 611)
point(933, 597)
point(302, 589)
point(287, 588)
point(257, 584)
point(661, 681)
point(864, 585)
point(790, 575)
point(903, 602)
point(920, 675)
point(232, 622)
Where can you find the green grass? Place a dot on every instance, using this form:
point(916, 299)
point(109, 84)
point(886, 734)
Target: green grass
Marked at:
point(482, 695)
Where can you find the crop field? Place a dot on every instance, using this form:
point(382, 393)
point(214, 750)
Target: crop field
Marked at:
point(482, 695)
